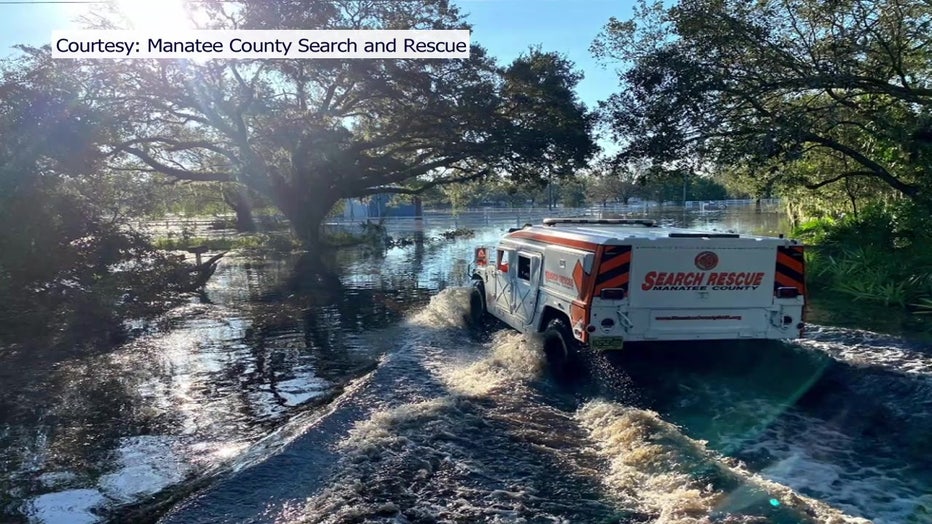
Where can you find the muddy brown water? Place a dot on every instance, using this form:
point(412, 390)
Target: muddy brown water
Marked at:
point(274, 402)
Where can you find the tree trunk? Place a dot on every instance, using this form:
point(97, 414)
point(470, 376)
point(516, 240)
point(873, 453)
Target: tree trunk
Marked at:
point(306, 221)
point(238, 199)
point(852, 197)
point(306, 209)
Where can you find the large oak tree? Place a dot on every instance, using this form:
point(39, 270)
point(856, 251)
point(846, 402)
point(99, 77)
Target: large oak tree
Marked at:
point(306, 133)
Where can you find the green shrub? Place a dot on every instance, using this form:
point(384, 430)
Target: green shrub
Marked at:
point(883, 255)
point(813, 230)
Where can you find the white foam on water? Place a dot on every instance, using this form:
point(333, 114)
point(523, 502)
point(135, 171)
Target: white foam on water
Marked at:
point(385, 429)
point(653, 464)
point(410, 461)
point(447, 309)
point(446, 457)
point(866, 348)
point(147, 464)
point(473, 369)
point(512, 358)
point(442, 459)
point(824, 463)
point(56, 479)
point(73, 506)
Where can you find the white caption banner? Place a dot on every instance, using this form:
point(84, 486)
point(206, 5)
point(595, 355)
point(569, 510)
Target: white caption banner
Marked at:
point(201, 45)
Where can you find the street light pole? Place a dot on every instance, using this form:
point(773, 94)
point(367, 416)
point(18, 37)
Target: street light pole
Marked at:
point(684, 190)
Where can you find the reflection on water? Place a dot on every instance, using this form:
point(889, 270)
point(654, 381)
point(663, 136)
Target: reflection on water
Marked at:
point(198, 387)
point(196, 391)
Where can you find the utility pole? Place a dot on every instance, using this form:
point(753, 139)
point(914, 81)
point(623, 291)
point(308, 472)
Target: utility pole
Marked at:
point(684, 190)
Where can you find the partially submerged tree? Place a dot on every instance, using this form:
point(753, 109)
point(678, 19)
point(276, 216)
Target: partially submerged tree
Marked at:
point(67, 259)
point(765, 86)
point(307, 133)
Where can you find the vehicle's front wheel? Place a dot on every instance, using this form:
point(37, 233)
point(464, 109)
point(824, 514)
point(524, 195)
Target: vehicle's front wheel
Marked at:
point(477, 308)
point(561, 349)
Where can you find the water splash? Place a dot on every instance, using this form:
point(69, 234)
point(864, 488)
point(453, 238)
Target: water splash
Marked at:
point(667, 474)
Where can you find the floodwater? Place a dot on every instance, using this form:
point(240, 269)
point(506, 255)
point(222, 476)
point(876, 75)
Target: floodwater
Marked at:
point(275, 399)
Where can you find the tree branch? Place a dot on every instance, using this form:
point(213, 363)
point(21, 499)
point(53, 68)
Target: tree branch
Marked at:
point(876, 169)
point(177, 145)
point(417, 191)
point(185, 174)
point(834, 179)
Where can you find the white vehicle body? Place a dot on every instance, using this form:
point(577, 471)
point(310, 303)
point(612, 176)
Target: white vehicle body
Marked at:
point(616, 281)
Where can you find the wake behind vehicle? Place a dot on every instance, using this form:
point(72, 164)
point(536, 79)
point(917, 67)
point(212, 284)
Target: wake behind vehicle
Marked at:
point(604, 282)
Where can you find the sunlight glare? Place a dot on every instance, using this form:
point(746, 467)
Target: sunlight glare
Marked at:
point(146, 15)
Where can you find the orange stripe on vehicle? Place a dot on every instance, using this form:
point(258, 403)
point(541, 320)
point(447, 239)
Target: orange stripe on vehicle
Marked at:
point(590, 279)
point(579, 313)
point(579, 280)
point(552, 239)
point(619, 260)
point(790, 268)
point(618, 281)
point(790, 262)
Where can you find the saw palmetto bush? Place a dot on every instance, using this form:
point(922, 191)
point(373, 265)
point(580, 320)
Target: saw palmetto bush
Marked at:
point(883, 255)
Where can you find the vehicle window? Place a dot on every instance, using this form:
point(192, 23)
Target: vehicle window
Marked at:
point(524, 267)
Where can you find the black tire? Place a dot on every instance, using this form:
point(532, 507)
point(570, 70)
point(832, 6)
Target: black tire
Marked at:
point(561, 349)
point(477, 310)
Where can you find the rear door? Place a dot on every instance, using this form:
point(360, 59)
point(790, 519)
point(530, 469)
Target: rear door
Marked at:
point(503, 288)
point(527, 285)
point(693, 273)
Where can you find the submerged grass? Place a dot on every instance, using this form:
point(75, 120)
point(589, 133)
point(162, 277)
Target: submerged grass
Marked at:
point(255, 241)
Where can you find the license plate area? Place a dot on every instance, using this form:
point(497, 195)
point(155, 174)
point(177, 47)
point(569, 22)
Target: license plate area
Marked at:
point(606, 343)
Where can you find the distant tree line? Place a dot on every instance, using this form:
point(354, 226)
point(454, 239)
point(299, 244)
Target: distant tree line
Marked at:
point(593, 187)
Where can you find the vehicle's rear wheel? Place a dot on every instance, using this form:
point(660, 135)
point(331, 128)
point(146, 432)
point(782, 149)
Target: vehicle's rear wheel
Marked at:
point(561, 349)
point(477, 309)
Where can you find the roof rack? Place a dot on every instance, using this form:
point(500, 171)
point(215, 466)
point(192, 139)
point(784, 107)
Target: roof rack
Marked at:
point(704, 235)
point(601, 221)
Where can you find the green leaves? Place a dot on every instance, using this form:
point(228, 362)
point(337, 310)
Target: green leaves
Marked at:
point(776, 85)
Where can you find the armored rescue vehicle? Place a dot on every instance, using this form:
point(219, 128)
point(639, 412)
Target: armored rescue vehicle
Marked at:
point(604, 282)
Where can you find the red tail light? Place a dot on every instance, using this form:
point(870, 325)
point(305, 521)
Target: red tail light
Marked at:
point(615, 293)
point(787, 292)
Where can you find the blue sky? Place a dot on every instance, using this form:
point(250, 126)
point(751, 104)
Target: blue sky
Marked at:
point(505, 27)
point(508, 27)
